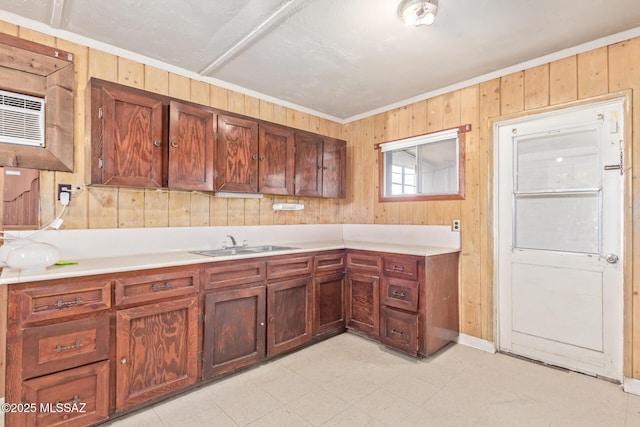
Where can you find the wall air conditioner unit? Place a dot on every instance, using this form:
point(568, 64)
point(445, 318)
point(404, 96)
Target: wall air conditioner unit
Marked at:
point(21, 119)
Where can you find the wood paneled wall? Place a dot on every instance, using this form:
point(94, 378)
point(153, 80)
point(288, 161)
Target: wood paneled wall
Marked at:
point(598, 72)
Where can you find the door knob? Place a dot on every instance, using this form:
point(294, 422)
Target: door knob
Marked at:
point(611, 258)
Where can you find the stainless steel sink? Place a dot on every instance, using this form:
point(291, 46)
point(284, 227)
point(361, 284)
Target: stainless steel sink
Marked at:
point(243, 250)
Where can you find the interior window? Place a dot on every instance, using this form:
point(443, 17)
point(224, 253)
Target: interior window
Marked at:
point(424, 167)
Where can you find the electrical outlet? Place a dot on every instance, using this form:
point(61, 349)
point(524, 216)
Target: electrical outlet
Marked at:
point(455, 225)
point(64, 188)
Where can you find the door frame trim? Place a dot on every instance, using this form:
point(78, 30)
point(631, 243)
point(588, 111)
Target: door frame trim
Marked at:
point(627, 225)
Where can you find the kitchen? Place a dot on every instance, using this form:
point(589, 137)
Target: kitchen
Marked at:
point(588, 73)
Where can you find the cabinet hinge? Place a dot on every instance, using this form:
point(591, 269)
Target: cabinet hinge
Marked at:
point(201, 318)
point(100, 112)
point(100, 163)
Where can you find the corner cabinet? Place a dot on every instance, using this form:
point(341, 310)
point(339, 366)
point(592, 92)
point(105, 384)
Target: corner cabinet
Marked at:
point(144, 139)
point(320, 165)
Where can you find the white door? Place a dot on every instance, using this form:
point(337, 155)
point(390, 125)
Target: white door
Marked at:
point(559, 223)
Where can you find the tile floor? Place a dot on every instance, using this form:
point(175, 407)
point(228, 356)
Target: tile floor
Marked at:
point(350, 381)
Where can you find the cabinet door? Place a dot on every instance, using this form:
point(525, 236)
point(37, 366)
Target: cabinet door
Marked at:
point(234, 330)
point(132, 139)
point(308, 165)
point(334, 161)
point(363, 303)
point(289, 305)
point(157, 347)
point(328, 304)
point(276, 166)
point(237, 162)
point(191, 147)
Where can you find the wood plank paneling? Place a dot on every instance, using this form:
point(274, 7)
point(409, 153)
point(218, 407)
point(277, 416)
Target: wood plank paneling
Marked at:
point(563, 80)
point(624, 73)
point(512, 93)
point(592, 73)
point(536, 87)
point(589, 74)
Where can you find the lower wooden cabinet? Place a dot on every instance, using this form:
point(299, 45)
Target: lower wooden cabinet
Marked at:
point(234, 330)
point(72, 398)
point(363, 303)
point(328, 307)
point(289, 314)
point(109, 343)
point(156, 347)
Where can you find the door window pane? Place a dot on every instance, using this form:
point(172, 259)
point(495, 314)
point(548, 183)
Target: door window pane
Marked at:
point(567, 222)
point(556, 162)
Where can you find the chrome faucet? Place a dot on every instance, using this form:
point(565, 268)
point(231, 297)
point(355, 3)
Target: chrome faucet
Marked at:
point(233, 240)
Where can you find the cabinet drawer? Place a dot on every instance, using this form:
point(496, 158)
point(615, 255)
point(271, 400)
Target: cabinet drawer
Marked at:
point(82, 394)
point(404, 267)
point(54, 301)
point(233, 273)
point(400, 293)
point(64, 345)
point(399, 329)
point(289, 266)
point(152, 287)
point(363, 262)
point(329, 262)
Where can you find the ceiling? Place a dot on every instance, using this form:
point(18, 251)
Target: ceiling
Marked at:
point(341, 59)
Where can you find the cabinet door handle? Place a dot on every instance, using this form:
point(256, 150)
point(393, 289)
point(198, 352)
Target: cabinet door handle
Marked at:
point(254, 157)
point(174, 144)
point(399, 294)
point(123, 361)
point(156, 287)
point(394, 332)
point(157, 143)
point(68, 304)
point(272, 319)
point(261, 323)
point(397, 268)
point(60, 348)
point(262, 158)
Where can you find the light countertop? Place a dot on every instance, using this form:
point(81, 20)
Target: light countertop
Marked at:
point(118, 264)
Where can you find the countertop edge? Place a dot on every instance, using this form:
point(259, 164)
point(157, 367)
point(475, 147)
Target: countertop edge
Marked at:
point(123, 264)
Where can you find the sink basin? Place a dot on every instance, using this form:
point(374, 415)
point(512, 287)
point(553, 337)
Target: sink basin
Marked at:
point(243, 250)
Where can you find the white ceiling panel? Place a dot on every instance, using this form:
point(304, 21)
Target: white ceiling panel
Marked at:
point(340, 58)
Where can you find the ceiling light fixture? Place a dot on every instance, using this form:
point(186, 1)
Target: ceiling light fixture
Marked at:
point(418, 12)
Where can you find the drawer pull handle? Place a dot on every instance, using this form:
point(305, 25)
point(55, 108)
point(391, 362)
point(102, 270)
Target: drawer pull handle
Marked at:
point(123, 361)
point(399, 294)
point(156, 288)
point(397, 268)
point(61, 304)
point(60, 348)
point(394, 332)
point(75, 401)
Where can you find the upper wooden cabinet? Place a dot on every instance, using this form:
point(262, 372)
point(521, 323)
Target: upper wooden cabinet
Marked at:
point(320, 164)
point(254, 157)
point(143, 139)
point(139, 139)
point(191, 147)
point(275, 167)
point(237, 163)
point(128, 134)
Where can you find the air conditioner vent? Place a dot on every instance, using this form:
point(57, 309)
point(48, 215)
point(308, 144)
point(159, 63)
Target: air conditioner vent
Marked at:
point(21, 119)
